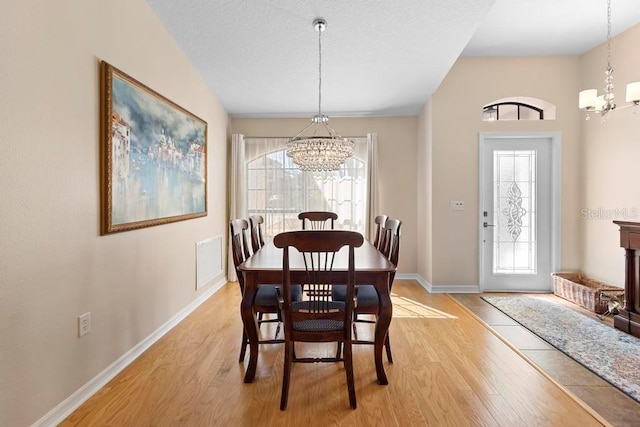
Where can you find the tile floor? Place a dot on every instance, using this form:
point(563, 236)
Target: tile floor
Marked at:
point(613, 405)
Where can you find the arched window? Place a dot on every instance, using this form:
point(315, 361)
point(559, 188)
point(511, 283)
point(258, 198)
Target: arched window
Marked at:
point(279, 191)
point(518, 108)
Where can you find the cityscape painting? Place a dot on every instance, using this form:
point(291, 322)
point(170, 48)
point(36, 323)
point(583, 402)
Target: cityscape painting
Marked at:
point(153, 156)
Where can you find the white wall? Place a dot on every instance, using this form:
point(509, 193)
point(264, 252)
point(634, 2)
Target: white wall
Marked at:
point(397, 137)
point(424, 166)
point(54, 264)
point(456, 117)
point(611, 183)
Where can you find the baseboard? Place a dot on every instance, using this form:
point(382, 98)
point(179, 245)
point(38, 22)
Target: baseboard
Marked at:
point(416, 277)
point(455, 289)
point(70, 404)
point(438, 289)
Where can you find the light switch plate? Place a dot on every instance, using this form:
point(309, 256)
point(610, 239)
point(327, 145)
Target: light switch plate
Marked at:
point(84, 324)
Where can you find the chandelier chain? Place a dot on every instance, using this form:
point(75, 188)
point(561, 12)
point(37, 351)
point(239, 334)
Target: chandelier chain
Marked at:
point(609, 33)
point(319, 71)
point(609, 96)
point(325, 149)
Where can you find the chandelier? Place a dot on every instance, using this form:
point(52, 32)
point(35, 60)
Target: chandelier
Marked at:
point(324, 149)
point(604, 104)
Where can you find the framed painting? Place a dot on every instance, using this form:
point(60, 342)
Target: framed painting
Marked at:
point(153, 156)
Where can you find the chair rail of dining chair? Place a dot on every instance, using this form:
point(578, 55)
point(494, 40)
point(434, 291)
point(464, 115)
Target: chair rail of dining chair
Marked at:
point(318, 219)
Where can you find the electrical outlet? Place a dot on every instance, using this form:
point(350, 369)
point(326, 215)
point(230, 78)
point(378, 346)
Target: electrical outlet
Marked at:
point(457, 205)
point(84, 324)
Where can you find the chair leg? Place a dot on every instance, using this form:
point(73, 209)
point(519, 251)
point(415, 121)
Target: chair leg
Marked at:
point(277, 331)
point(339, 350)
point(243, 346)
point(387, 346)
point(279, 316)
point(348, 364)
point(286, 374)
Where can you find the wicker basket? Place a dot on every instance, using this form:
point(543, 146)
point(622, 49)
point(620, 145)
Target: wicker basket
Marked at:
point(583, 291)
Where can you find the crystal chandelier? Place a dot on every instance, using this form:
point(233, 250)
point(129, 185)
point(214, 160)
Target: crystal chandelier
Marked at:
point(324, 149)
point(604, 104)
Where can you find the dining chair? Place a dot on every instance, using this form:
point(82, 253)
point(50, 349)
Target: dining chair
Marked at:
point(255, 225)
point(389, 233)
point(367, 295)
point(318, 220)
point(380, 220)
point(317, 318)
point(266, 299)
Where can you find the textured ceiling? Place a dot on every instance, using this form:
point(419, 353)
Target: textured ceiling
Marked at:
point(379, 57)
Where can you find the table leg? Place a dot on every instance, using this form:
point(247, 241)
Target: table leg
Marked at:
point(382, 325)
point(250, 324)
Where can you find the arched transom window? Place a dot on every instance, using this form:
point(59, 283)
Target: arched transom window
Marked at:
point(518, 108)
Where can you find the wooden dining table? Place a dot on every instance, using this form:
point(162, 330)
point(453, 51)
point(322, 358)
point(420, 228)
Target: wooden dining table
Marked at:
point(265, 267)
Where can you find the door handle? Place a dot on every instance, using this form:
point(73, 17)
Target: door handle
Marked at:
point(486, 224)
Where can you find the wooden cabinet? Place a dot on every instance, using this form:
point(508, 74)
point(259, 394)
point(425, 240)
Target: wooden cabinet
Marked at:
point(628, 320)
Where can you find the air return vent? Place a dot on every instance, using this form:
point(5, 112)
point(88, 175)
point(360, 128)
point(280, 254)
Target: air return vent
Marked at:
point(208, 260)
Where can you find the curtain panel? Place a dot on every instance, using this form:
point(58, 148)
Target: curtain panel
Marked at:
point(265, 181)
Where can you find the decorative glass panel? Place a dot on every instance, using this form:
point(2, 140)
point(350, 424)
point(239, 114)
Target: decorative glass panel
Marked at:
point(514, 212)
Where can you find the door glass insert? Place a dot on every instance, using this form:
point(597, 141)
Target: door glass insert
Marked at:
point(514, 212)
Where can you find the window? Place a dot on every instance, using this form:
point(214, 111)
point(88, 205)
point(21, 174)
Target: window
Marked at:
point(518, 108)
point(279, 191)
point(512, 111)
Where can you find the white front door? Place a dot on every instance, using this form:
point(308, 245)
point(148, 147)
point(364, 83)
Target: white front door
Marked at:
point(519, 211)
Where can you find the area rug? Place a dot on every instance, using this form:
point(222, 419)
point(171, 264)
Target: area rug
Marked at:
point(609, 353)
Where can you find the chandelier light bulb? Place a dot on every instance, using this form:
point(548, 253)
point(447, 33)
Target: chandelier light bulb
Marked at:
point(633, 93)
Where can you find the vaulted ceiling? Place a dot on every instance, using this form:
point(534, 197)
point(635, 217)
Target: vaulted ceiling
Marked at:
point(379, 57)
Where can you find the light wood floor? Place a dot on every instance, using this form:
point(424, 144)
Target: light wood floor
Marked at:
point(616, 407)
point(449, 370)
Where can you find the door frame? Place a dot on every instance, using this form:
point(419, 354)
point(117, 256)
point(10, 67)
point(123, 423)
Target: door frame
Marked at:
point(556, 184)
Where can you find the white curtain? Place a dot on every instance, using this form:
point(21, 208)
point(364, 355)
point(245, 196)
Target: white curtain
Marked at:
point(255, 147)
point(244, 150)
point(374, 198)
point(237, 191)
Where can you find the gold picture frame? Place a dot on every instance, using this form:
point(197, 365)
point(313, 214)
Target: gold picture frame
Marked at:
point(153, 156)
